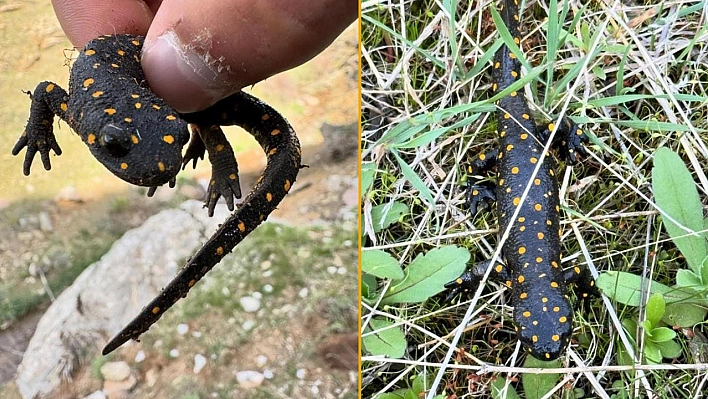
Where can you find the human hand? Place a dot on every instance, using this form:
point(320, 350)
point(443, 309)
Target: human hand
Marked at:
point(198, 52)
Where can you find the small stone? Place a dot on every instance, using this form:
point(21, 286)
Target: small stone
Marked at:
point(250, 304)
point(249, 378)
point(257, 295)
point(266, 264)
point(174, 353)
point(119, 389)
point(115, 371)
point(182, 329)
point(197, 334)
point(267, 288)
point(303, 293)
point(140, 356)
point(267, 273)
point(261, 360)
point(268, 373)
point(300, 373)
point(33, 270)
point(96, 395)
point(199, 363)
point(225, 291)
point(45, 222)
point(248, 325)
point(342, 270)
point(331, 269)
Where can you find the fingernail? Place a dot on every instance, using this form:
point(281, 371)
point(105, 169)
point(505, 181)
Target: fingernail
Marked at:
point(180, 75)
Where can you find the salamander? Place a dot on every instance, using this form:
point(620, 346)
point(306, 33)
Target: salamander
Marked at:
point(139, 138)
point(543, 314)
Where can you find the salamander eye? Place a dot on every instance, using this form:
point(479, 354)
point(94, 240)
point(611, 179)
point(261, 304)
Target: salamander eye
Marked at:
point(114, 140)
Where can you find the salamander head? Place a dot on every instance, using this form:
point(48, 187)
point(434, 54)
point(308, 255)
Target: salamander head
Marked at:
point(141, 152)
point(544, 327)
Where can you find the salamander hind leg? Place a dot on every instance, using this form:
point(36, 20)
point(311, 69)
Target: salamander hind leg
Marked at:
point(585, 287)
point(469, 280)
point(569, 139)
point(480, 194)
point(48, 100)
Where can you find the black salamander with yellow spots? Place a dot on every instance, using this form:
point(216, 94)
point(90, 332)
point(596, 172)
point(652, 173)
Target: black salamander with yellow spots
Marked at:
point(543, 314)
point(139, 138)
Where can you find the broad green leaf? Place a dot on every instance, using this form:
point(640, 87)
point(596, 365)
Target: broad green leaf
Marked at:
point(380, 264)
point(390, 342)
point(368, 285)
point(662, 334)
point(652, 354)
point(676, 195)
point(382, 216)
point(368, 171)
point(656, 306)
point(669, 349)
point(688, 279)
point(538, 385)
point(684, 314)
point(427, 275)
point(500, 390)
point(625, 288)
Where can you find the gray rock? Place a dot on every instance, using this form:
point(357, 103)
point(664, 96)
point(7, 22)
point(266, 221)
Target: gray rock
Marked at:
point(249, 379)
point(109, 293)
point(250, 304)
point(115, 371)
point(199, 363)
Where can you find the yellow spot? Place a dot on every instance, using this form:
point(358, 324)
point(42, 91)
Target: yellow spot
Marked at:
point(275, 132)
point(517, 41)
point(63, 107)
point(522, 219)
point(520, 279)
point(161, 166)
point(232, 176)
point(509, 147)
point(523, 136)
point(515, 170)
point(156, 106)
point(502, 133)
point(534, 338)
point(514, 74)
point(91, 138)
point(548, 356)
point(554, 264)
point(272, 151)
point(482, 157)
point(554, 284)
point(135, 95)
point(90, 52)
point(88, 82)
point(579, 132)
point(287, 185)
point(168, 138)
point(97, 94)
point(558, 208)
point(523, 295)
point(525, 116)
point(191, 283)
point(220, 251)
point(475, 192)
point(540, 236)
point(562, 319)
point(537, 207)
point(497, 64)
point(501, 182)
point(494, 86)
point(110, 111)
point(128, 120)
point(516, 17)
point(556, 309)
point(124, 166)
point(170, 117)
point(544, 299)
point(526, 314)
point(241, 227)
point(550, 172)
point(134, 139)
point(508, 283)
point(534, 160)
point(513, 94)
point(555, 337)
point(512, 56)
point(49, 88)
point(265, 117)
point(138, 105)
point(537, 182)
point(516, 201)
point(507, 116)
point(551, 127)
point(498, 268)
point(156, 310)
point(135, 42)
point(539, 259)
point(114, 65)
point(121, 52)
point(269, 197)
point(219, 147)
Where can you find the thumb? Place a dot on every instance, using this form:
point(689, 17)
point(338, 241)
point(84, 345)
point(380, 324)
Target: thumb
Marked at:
point(197, 53)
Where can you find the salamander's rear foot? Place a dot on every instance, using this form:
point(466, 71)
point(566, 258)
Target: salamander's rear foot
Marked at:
point(195, 150)
point(37, 142)
point(469, 280)
point(479, 196)
point(569, 140)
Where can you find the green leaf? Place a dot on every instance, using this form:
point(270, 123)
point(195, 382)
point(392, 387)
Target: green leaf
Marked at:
point(500, 390)
point(368, 285)
point(662, 334)
point(382, 216)
point(625, 288)
point(368, 172)
point(427, 275)
point(656, 306)
point(538, 385)
point(670, 349)
point(414, 179)
point(684, 314)
point(380, 264)
point(676, 195)
point(652, 354)
point(688, 279)
point(390, 342)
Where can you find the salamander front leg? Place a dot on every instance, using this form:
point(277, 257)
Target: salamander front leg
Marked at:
point(569, 139)
point(470, 279)
point(480, 194)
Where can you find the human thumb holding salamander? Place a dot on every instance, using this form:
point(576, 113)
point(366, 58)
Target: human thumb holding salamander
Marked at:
point(198, 52)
